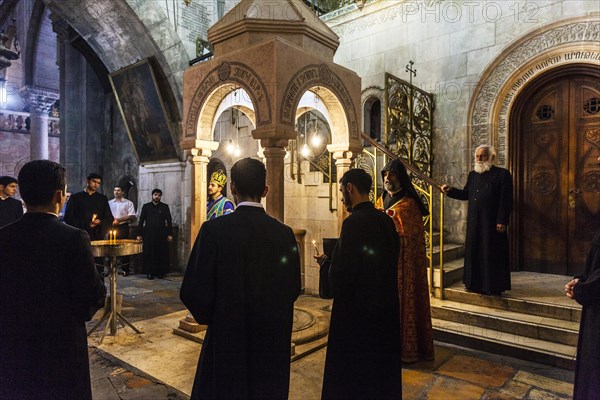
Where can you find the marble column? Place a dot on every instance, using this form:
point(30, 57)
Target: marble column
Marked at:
point(343, 162)
point(274, 153)
point(39, 102)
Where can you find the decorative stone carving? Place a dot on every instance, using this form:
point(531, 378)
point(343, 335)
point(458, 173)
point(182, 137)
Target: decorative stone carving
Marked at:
point(490, 103)
point(39, 100)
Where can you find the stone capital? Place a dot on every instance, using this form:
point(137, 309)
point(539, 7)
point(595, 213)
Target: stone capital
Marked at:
point(342, 155)
point(39, 100)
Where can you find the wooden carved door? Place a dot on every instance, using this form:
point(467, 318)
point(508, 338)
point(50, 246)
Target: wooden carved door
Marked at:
point(559, 175)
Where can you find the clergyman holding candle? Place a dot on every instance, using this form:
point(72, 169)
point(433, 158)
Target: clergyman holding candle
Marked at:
point(89, 210)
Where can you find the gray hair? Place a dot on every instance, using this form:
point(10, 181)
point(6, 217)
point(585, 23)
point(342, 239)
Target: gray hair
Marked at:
point(489, 150)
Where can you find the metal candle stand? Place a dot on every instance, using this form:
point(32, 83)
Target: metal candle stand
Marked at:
point(112, 249)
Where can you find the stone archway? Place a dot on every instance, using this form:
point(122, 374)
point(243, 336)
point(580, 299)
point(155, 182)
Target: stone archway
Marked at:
point(112, 29)
point(562, 43)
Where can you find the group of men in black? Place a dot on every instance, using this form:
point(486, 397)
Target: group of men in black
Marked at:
point(89, 210)
point(242, 279)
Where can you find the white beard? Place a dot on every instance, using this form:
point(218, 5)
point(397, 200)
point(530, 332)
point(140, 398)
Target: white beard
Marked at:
point(481, 167)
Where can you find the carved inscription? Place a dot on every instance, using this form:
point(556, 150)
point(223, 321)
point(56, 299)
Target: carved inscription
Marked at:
point(502, 75)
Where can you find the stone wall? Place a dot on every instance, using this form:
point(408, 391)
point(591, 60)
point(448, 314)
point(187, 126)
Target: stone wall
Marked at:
point(451, 43)
point(14, 151)
point(307, 207)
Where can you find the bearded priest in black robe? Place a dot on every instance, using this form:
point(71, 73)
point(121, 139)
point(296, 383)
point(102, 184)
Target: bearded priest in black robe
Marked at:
point(489, 191)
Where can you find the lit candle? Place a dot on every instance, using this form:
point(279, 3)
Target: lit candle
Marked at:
point(94, 217)
point(314, 243)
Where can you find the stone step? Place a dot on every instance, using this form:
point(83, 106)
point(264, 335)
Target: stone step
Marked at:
point(435, 238)
point(506, 302)
point(508, 322)
point(453, 272)
point(452, 251)
point(508, 344)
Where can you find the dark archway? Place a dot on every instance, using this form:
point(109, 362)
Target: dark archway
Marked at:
point(372, 118)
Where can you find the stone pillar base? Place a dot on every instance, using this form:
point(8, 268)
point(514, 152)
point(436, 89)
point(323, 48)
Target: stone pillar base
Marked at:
point(190, 329)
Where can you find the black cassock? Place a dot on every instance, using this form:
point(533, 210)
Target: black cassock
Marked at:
point(587, 293)
point(81, 207)
point(10, 211)
point(49, 287)
point(242, 279)
point(364, 349)
point(154, 226)
point(487, 264)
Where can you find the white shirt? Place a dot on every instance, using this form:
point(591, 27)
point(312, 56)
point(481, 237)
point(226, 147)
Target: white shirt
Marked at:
point(250, 204)
point(122, 208)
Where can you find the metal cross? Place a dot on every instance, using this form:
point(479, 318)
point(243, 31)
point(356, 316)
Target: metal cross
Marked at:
point(413, 72)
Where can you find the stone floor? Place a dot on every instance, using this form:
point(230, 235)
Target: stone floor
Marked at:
point(160, 365)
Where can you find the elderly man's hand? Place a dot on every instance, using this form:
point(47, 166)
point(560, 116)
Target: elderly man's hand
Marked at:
point(569, 287)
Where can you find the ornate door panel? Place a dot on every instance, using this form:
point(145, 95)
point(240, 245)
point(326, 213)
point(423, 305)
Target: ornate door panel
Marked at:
point(560, 178)
point(584, 180)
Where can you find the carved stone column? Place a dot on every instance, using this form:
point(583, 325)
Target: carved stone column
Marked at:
point(39, 102)
point(343, 162)
point(274, 153)
point(199, 158)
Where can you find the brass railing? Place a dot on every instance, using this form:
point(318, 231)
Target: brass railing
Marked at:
point(426, 186)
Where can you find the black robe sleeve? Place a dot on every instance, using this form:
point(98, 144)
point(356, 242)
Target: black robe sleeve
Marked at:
point(86, 285)
point(142, 221)
point(198, 287)
point(346, 260)
point(461, 194)
point(587, 289)
point(72, 214)
point(169, 221)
